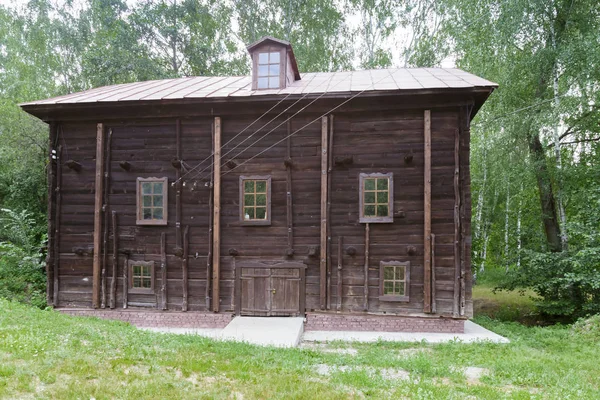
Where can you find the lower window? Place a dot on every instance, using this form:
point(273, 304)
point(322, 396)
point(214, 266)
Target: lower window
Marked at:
point(141, 276)
point(394, 280)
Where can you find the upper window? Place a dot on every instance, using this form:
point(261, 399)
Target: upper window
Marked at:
point(141, 276)
point(376, 198)
point(152, 201)
point(394, 280)
point(255, 200)
point(268, 70)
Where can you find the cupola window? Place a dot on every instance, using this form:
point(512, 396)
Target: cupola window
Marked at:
point(268, 70)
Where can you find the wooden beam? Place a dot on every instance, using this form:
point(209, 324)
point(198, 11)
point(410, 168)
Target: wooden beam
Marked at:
point(163, 271)
point(427, 222)
point(463, 175)
point(184, 267)
point(51, 180)
point(216, 215)
point(323, 241)
point(98, 215)
point(340, 263)
point(209, 256)
point(56, 243)
point(178, 185)
point(289, 197)
point(329, 173)
point(125, 280)
point(457, 223)
point(433, 294)
point(105, 226)
point(115, 261)
point(366, 269)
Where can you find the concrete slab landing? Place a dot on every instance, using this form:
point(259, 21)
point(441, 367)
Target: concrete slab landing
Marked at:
point(268, 331)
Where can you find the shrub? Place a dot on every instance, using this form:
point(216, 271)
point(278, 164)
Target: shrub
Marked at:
point(568, 282)
point(588, 327)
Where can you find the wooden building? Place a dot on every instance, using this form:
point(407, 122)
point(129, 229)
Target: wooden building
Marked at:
point(319, 194)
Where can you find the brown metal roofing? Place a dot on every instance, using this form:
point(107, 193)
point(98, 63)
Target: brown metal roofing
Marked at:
point(202, 87)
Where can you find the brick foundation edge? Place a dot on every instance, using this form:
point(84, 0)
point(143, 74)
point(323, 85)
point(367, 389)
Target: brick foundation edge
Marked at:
point(157, 319)
point(383, 323)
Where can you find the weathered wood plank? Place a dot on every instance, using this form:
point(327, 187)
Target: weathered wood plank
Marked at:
point(329, 177)
point(115, 261)
point(105, 225)
point(340, 263)
point(51, 177)
point(57, 219)
point(163, 271)
point(323, 241)
point(433, 277)
point(98, 215)
point(289, 198)
point(366, 269)
point(427, 208)
point(216, 215)
point(125, 280)
point(457, 223)
point(184, 267)
point(178, 184)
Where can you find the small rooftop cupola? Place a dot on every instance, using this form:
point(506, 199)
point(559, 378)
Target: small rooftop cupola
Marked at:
point(273, 64)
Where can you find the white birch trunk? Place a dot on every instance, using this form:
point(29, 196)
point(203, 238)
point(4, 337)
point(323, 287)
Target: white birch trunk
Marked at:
point(519, 242)
point(506, 220)
point(480, 197)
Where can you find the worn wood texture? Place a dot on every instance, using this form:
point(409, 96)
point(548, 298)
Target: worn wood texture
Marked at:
point(98, 214)
point(329, 177)
point(427, 214)
point(51, 181)
point(163, 271)
point(323, 241)
point(57, 220)
point(457, 227)
point(115, 261)
point(185, 268)
point(209, 256)
point(178, 184)
point(366, 271)
point(105, 225)
point(288, 188)
point(340, 264)
point(216, 216)
point(433, 287)
point(125, 284)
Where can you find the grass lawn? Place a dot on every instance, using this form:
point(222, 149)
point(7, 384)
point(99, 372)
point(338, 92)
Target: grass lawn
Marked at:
point(44, 354)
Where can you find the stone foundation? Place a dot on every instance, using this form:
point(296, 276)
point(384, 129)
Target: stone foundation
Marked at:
point(156, 319)
point(381, 323)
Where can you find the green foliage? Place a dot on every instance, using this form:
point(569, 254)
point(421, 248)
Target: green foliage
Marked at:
point(588, 327)
point(22, 276)
point(568, 283)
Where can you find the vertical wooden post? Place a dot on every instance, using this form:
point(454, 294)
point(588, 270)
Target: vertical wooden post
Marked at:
point(289, 198)
point(57, 224)
point(115, 261)
point(329, 169)
point(463, 173)
point(210, 226)
point(178, 185)
point(323, 241)
point(184, 264)
point(126, 280)
point(163, 271)
point(433, 294)
point(51, 176)
point(105, 226)
point(340, 263)
point(216, 215)
point(427, 222)
point(457, 222)
point(366, 283)
point(98, 215)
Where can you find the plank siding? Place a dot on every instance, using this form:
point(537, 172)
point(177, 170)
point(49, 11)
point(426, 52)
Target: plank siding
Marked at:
point(376, 140)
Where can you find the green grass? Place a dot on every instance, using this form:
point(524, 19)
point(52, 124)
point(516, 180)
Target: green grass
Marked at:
point(44, 354)
point(504, 305)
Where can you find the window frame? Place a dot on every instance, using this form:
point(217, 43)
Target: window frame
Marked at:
point(258, 222)
point(136, 290)
point(282, 65)
point(390, 217)
point(388, 297)
point(139, 204)
point(268, 65)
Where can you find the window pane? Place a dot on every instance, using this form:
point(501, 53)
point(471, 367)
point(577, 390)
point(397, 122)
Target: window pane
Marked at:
point(147, 213)
point(274, 82)
point(261, 213)
point(147, 283)
point(137, 282)
point(157, 213)
point(369, 211)
point(263, 70)
point(388, 273)
point(158, 187)
point(388, 287)
point(263, 58)
point(146, 188)
point(399, 274)
point(263, 83)
point(382, 211)
point(369, 184)
point(136, 270)
point(248, 199)
point(382, 184)
point(369, 197)
point(261, 199)
point(157, 201)
point(248, 213)
point(400, 288)
point(146, 271)
point(382, 197)
point(274, 58)
point(248, 186)
point(274, 69)
point(261, 186)
point(147, 201)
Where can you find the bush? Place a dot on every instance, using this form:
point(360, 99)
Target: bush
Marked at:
point(588, 327)
point(22, 275)
point(568, 283)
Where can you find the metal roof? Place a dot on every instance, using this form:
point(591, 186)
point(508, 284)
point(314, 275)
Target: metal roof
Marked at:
point(203, 87)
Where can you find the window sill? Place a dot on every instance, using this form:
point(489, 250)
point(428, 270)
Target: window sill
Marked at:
point(151, 222)
point(140, 291)
point(376, 220)
point(255, 223)
point(403, 299)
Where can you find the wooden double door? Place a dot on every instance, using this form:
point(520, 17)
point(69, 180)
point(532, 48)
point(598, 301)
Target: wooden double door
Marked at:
point(270, 289)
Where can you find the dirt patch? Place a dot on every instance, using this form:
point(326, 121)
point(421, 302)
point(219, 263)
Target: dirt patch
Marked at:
point(386, 373)
point(474, 374)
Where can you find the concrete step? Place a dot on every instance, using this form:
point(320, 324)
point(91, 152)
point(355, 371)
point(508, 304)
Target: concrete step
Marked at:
point(266, 331)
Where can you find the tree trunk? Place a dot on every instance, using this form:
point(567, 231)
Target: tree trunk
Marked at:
point(506, 221)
